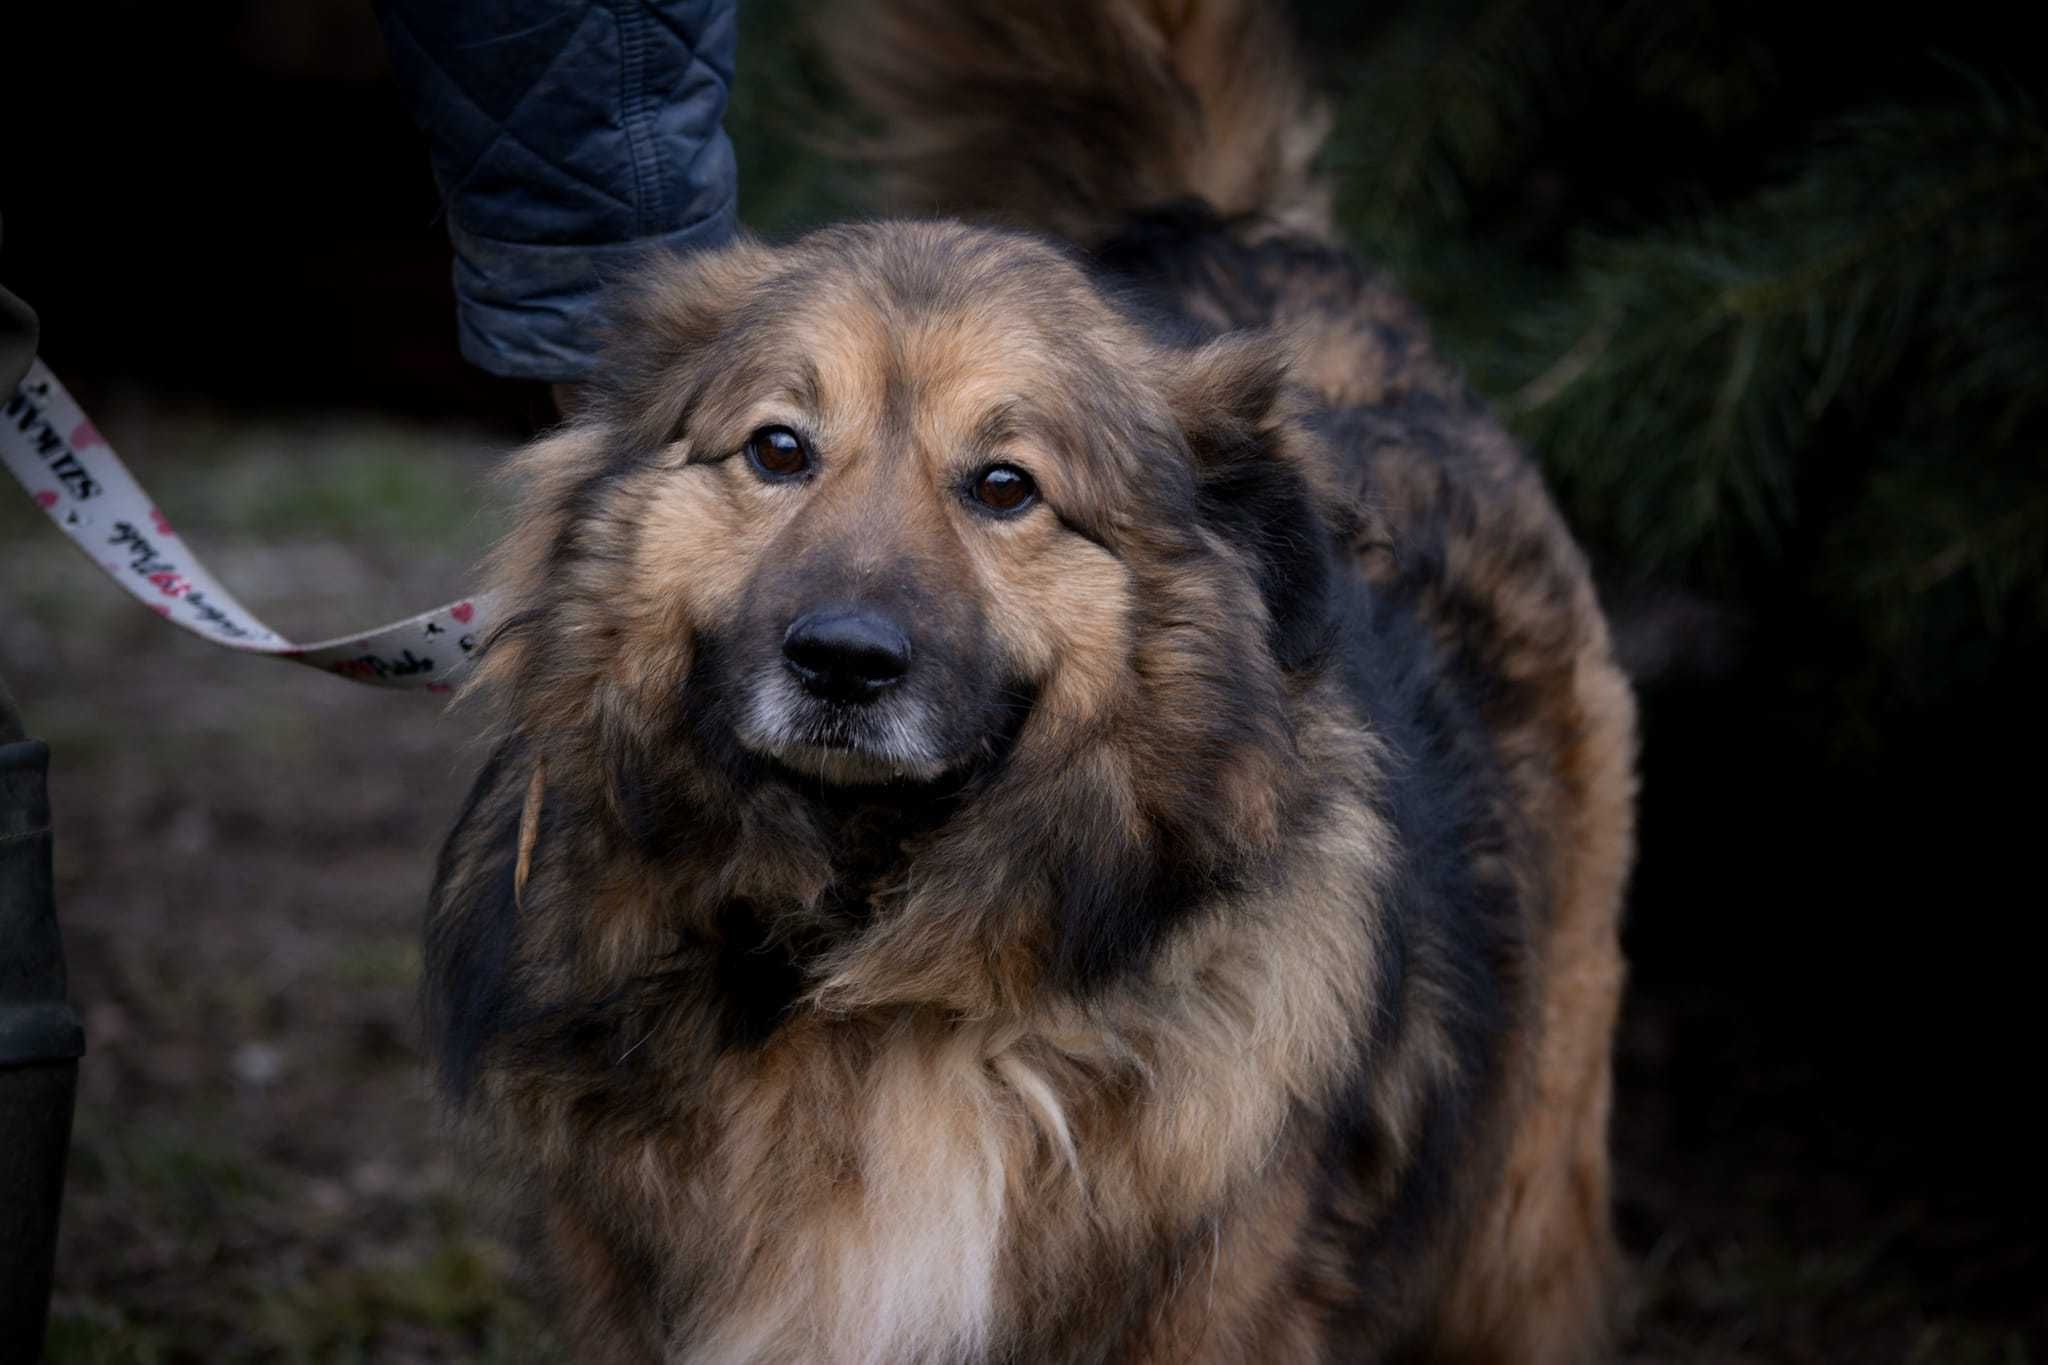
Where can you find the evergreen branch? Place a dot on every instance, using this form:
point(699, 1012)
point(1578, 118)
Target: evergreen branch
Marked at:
point(1677, 397)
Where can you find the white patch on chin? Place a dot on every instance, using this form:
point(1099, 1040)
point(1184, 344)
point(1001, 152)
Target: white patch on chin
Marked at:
point(891, 739)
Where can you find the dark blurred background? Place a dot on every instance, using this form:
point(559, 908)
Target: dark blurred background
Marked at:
point(1764, 286)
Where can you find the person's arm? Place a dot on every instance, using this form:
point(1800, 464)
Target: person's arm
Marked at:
point(569, 140)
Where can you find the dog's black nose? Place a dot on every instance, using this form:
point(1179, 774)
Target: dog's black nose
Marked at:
point(845, 655)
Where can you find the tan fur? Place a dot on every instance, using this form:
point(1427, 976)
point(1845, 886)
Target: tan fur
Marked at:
point(529, 829)
point(1542, 1260)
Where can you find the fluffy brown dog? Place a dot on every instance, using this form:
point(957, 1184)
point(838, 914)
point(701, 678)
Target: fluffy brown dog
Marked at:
point(1058, 802)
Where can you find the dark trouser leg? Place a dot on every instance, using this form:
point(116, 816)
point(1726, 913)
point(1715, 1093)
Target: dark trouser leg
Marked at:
point(40, 1043)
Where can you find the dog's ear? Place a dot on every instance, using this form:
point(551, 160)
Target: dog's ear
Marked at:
point(471, 991)
point(1259, 480)
point(661, 335)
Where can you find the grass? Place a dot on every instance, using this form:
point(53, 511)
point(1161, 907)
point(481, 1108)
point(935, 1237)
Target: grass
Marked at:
point(459, 1290)
point(93, 1332)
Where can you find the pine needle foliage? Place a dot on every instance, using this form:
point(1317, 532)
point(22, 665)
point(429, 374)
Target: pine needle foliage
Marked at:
point(1764, 288)
point(1699, 381)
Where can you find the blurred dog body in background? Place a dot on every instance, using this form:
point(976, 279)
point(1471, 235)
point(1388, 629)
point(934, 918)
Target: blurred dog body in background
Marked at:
point(1063, 793)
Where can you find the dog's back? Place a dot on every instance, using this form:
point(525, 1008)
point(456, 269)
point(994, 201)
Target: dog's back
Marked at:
point(1175, 142)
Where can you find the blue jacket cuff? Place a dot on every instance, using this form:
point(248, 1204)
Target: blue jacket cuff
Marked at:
point(534, 310)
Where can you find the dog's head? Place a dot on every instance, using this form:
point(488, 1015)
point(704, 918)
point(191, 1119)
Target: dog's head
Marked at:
point(909, 506)
point(886, 482)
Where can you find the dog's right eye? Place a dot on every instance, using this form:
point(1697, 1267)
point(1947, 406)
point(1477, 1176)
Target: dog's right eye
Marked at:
point(778, 454)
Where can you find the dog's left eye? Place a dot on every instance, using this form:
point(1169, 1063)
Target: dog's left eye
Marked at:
point(1004, 489)
point(777, 453)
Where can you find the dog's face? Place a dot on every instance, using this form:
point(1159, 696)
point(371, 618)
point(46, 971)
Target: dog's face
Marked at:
point(882, 522)
point(905, 503)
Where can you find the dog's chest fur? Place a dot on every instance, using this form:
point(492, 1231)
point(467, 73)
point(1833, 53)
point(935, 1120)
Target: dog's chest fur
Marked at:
point(910, 1186)
point(858, 1185)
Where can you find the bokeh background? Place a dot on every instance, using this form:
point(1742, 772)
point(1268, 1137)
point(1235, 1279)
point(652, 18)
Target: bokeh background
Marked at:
point(1764, 286)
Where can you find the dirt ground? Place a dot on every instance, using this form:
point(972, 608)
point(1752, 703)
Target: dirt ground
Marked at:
point(243, 851)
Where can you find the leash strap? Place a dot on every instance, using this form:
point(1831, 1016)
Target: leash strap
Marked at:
point(53, 449)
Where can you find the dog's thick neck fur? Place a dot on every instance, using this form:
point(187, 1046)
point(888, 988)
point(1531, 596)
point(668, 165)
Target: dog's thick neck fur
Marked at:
point(849, 1169)
point(1109, 826)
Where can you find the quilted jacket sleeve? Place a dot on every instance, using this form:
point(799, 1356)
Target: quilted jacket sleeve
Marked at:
point(569, 138)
